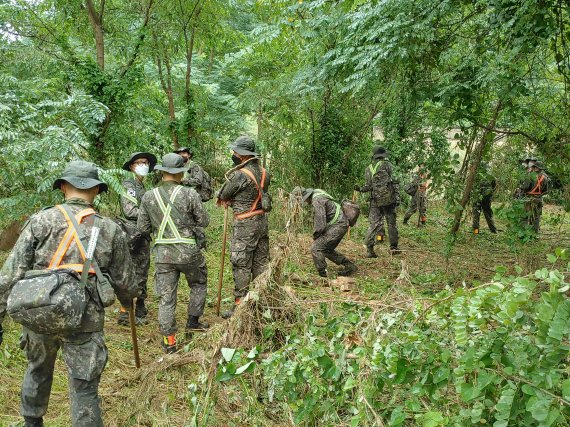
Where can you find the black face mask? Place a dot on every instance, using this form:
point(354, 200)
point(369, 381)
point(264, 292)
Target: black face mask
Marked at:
point(236, 159)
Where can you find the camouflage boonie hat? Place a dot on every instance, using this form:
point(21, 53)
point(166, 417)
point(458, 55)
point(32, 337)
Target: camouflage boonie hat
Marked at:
point(141, 155)
point(82, 175)
point(172, 163)
point(184, 150)
point(307, 192)
point(537, 164)
point(244, 146)
point(379, 152)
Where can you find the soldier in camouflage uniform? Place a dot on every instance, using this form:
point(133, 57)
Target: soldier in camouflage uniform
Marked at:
point(531, 190)
point(84, 350)
point(243, 190)
point(485, 185)
point(329, 227)
point(195, 177)
point(140, 164)
point(417, 189)
point(174, 213)
point(384, 199)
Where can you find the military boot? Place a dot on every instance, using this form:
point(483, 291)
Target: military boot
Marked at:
point(395, 251)
point(229, 313)
point(323, 273)
point(370, 252)
point(140, 312)
point(169, 344)
point(423, 221)
point(140, 309)
point(33, 422)
point(123, 319)
point(194, 324)
point(349, 268)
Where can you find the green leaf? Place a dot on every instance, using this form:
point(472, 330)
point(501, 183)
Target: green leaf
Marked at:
point(566, 389)
point(397, 417)
point(228, 353)
point(538, 406)
point(433, 419)
point(248, 367)
point(551, 258)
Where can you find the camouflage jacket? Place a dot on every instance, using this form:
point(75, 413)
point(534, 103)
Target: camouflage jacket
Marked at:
point(41, 236)
point(190, 221)
point(194, 176)
point(419, 183)
point(375, 186)
point(485, 185)
point(530, 189)
point(241, 191)
point(324, 212)
point(133, 189)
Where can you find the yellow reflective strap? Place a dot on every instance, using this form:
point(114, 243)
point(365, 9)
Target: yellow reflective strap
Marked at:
point(326, 195)
point(130, 198)
point(167, 220)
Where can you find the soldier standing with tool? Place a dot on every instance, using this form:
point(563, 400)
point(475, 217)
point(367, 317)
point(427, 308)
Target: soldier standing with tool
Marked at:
point(245, 190)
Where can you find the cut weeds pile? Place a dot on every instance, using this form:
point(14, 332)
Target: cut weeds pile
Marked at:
point(409, 344)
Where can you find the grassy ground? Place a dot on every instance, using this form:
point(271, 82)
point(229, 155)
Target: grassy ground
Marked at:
point(167, 390)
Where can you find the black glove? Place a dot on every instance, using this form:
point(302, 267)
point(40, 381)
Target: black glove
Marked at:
point(357, 188)
point(1, 334)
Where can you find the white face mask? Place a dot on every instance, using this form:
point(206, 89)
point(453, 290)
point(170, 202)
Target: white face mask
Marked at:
point(141, 170)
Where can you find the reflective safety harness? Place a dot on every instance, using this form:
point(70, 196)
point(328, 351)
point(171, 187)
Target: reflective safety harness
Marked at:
point(167, 220)
point(253, 211)
point(537, 190)
point(374, 168)
point(130, 198)
point(326, 195)
point(69, 236)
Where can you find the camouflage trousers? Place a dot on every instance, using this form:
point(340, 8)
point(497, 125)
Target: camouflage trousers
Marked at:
point(85, 355)
point(324, 246)
point(249, 251)
point(484, 205)
point(376, 225)
point(166, 287)
point(141, 261)
point(533, 209)
point(389, 213)
point(418, 203)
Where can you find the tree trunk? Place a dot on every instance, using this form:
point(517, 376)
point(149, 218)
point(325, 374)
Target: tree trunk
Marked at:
point(475, 162)
point(188, 98)
point(259, 128)
point(96, 20)
point(166, 84)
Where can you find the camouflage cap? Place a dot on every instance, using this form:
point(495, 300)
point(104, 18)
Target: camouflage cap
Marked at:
point(82, 175)
point(140, 155)
point(244, 146)
point(184, 150)
point(379, 152)
point(172, 163)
